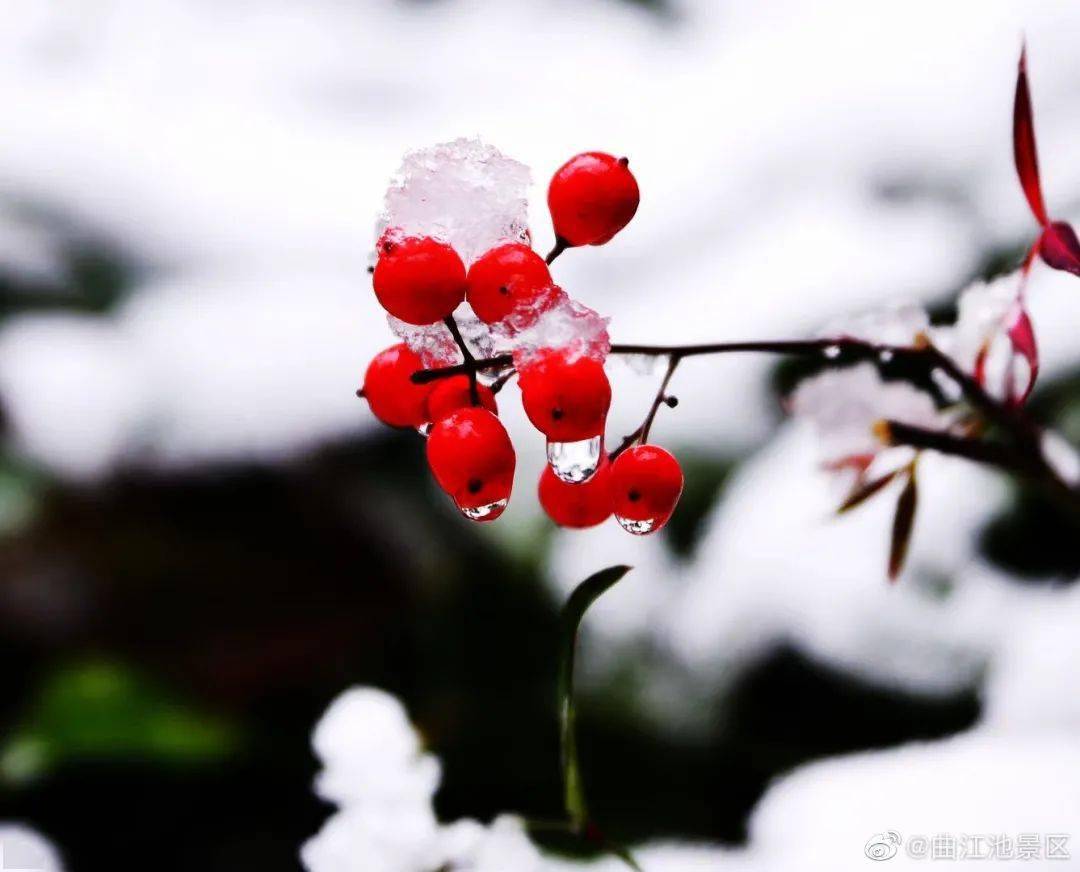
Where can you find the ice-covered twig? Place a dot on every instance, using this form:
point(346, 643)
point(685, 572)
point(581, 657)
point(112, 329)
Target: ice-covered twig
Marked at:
point(1020, 453)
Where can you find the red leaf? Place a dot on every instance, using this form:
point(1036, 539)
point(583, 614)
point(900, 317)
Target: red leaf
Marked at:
point(980, 364)
point(1060, 248)
point(1027, 159)
point(903, 525)
point(862, 492)
point(858, 462)
point(1022, 336)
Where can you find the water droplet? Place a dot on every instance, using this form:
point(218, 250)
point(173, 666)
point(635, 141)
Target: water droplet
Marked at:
point(885, 355)
point(425, 429)
point(638, 528)
point(486, 512)
point(832, 351)
point(574, 462)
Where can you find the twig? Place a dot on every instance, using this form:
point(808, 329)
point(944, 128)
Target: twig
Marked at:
point(1017, 460)
point(673, 363)
point(560, 246)
point(470, 361)
point(1022, 455)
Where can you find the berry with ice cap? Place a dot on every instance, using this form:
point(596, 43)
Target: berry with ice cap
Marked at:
point(418, 279)
point(390, 391)
point(646, 482)
point(472, 459)
point(510, 278)
point(453, 393)
point(566, 395)
point(592, 197)
point(577, 505)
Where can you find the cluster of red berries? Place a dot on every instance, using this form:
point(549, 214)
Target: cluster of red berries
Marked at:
point(565, 392)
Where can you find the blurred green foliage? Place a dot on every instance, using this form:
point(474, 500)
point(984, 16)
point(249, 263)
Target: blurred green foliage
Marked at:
point(102, 709)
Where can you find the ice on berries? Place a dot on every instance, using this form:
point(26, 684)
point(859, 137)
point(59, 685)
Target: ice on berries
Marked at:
point(575, 462)
point(565, 324)
point(432, 343)
point(463, 192)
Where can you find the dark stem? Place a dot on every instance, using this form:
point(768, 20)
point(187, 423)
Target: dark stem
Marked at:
point(470, 361)
point(501, 381)
point(919, 362)
point(1016, 459)
point(646, 426)
point(560, 246)
point(626, 443)
point(470, 366)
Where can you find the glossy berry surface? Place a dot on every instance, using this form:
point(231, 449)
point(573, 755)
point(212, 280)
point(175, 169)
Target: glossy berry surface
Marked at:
point(509, 278)
point(646, 482)
point(577, 505)
point(390, 391)
point(419, 279)
point(450, 394)
point(471, 457)
point(592, 197)
point(565, 395)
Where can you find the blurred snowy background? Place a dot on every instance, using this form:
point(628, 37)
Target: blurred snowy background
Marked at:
point(205, 537)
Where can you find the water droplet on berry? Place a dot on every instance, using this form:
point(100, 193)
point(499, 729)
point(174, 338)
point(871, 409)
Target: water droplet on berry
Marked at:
point(832, 352)
point(638, 528)
point(574, 462)
point(484, 512)
point(424, 429)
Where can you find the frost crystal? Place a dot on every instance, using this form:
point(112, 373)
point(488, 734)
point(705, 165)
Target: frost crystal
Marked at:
point(433, 343)
point(844, 404)
point(463, 192)
point(979, 338)
point(565, 324)
point(891, 325)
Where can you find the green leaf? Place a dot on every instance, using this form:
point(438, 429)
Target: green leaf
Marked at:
point(584, 595)
point(99, 710)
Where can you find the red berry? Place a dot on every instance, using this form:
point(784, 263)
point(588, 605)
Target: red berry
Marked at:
point(646, 482)
point(390, 391)
point(471, 456)
point(577, 505)
point(566, 396)
point(509, 277)
point(418, 279)
point(592, 197)
point(453, 393)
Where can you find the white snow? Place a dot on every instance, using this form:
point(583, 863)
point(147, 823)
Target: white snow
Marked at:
point(463, 192)
point(844, 405)
point(21, 848)
point(266, 151)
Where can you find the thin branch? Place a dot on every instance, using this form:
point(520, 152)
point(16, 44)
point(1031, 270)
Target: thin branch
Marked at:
point(1014, 459)
point(1023, 455)
point(560, 246)
point(673, 363)
point(470, 360)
